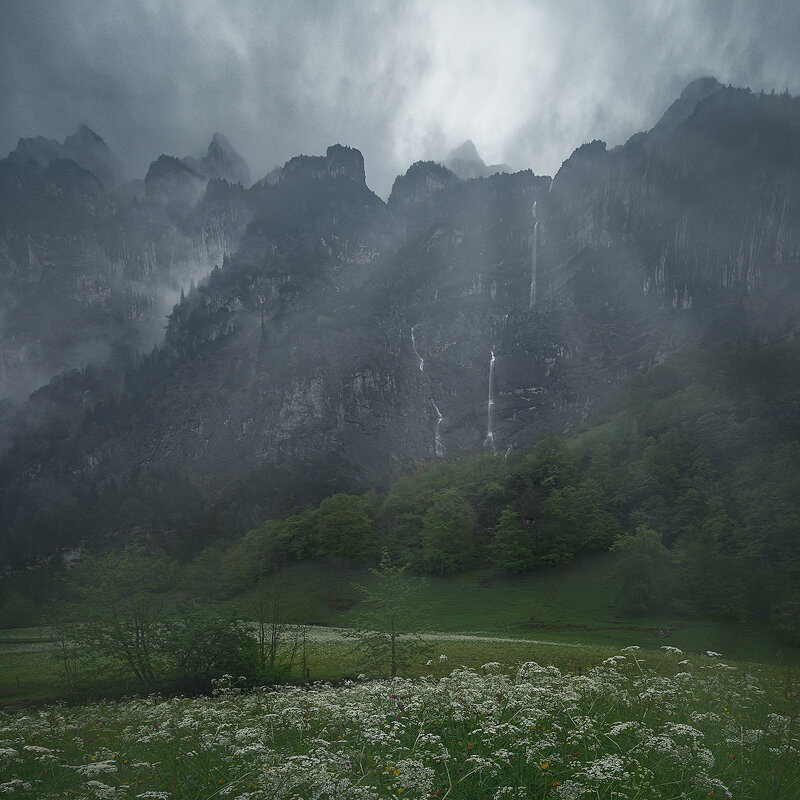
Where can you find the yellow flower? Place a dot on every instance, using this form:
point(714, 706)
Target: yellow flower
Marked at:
point(544, 765)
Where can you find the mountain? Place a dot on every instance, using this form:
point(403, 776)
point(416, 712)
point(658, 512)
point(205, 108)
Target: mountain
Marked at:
point(684, 106)
point(220, 161)
point(461, 315)
point(465, 162)
point(90, 266)
point(84, 147)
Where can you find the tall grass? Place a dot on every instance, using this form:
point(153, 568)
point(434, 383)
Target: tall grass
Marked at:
point(628, 728)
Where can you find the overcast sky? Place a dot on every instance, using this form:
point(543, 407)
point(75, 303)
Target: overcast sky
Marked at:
point(527, 81)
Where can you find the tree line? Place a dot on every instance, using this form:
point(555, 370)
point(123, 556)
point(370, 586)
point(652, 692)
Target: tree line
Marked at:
point(691, 473)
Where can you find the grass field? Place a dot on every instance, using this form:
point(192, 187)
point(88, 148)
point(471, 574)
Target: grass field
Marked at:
point(563, 616)
point(624, 729)
point(532, 687)
point(571, 603)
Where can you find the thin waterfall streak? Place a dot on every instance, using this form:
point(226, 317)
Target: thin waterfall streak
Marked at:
point(489, 441)
point(552, 180)
point(438, 445)
point(534, 259)
point(414, 345)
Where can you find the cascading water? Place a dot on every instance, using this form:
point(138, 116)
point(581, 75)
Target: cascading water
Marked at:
point(414, 345)
point(438, 446)
point(552, 181)
point(489, 441)
point(534, 256)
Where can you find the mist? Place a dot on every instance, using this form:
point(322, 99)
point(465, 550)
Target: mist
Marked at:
point(527, 82)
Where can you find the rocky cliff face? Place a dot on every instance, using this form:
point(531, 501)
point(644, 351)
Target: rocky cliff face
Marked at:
point(86, 266)
point(460, 315)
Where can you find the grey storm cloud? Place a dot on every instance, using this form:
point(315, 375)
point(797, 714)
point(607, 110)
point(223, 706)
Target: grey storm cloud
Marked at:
point(526, 80)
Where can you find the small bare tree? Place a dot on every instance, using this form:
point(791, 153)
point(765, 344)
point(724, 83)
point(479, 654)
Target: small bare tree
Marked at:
point(270, 618)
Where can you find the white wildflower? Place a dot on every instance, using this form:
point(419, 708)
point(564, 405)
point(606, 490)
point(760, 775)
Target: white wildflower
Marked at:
point(572, 790)
point(621, 727)
point(516, 792)
point(96, 768)
point(9, 787)
point(103, 791)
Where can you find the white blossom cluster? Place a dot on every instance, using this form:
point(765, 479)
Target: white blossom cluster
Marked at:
point(617, 731)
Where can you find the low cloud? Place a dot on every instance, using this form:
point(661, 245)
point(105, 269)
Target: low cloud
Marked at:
point(527, 82)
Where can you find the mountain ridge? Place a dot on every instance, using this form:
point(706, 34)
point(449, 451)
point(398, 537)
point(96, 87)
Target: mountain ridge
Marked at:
point(459, 315)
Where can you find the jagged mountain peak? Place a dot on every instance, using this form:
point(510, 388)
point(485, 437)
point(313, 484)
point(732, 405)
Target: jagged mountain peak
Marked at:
point(88, 149)
point(466, 151)
point(38, 149)
point(701, 87)
point(220, 161)
point(173, 181)
point(465, 162)
point(84, 147)
point(422, 180)
point(84, 133)
point(682, 108)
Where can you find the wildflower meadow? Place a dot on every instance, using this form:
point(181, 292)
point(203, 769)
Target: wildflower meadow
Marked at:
point(692, 728)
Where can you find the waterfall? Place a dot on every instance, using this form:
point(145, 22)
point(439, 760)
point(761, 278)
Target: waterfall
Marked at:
point(438, 446)
point(534, 256)
point(552, 180)
point(414, 345)
point(489, 441)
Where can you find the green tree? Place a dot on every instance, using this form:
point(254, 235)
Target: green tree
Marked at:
point(578, 519)
point(344, 527)
point(644, 571)
point(786, 615)
point(513, 546)
point(447, 533)
point(388, 620)
point(127, 626)
point(123, 597)
point(204, 646)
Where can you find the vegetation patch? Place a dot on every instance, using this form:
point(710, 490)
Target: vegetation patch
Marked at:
point(690, 728)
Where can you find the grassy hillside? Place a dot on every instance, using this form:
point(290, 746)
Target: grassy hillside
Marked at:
point(568, 603)
point(564, 615)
